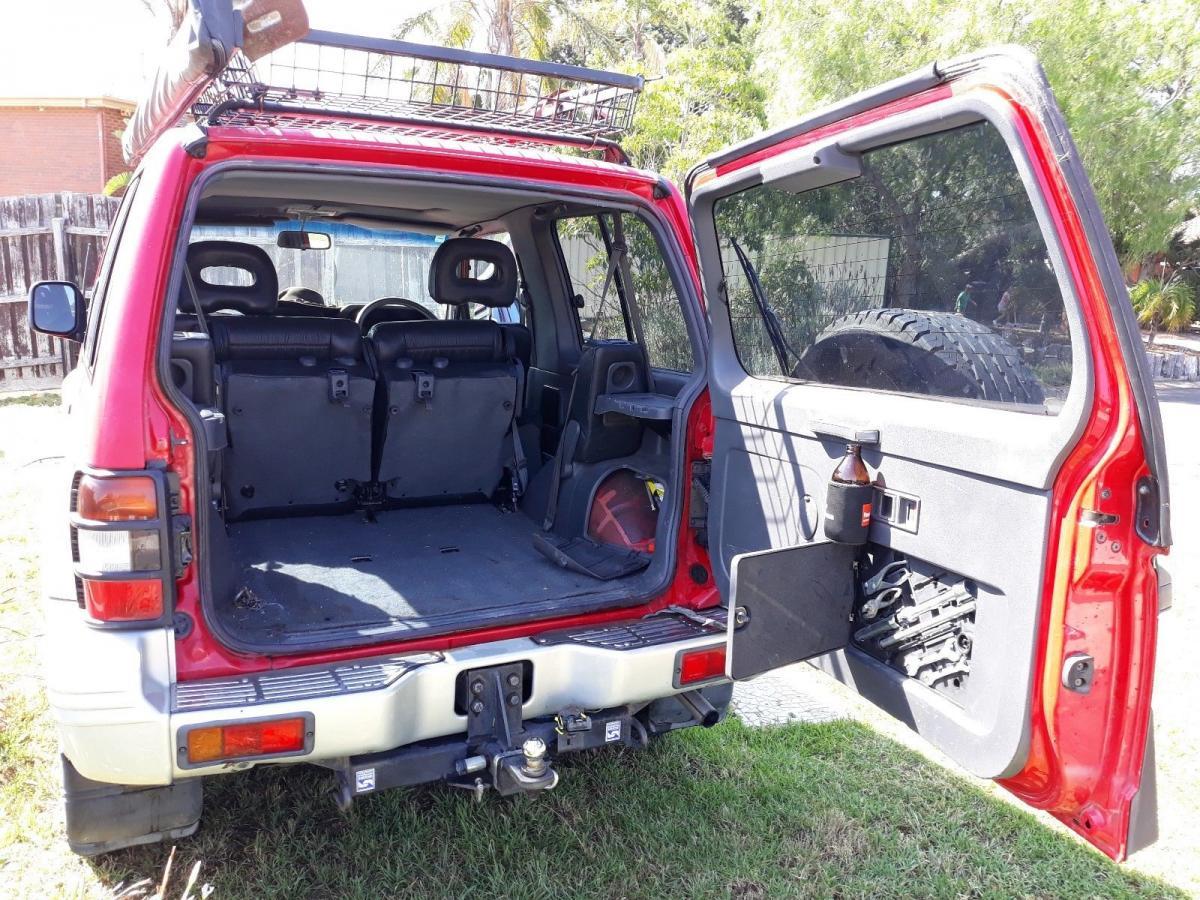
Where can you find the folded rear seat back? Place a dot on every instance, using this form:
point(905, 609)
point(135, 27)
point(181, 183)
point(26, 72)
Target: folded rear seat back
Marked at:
point(298, 398)
point(452, 394)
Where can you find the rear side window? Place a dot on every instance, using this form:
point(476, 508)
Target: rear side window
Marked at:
point(871, 282)
point(648, 303)
point(95, 319)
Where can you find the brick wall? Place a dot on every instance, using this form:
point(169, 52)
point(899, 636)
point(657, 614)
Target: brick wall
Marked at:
point(53, 149)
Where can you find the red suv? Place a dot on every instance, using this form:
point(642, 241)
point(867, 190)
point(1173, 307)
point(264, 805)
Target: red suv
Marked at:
point(421, 437)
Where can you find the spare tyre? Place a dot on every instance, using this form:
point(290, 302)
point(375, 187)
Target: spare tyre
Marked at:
point(917, 351)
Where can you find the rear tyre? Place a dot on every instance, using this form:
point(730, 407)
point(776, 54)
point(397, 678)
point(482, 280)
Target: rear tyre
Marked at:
point(921, 352)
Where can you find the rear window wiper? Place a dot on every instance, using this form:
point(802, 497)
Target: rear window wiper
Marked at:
point(779, 342)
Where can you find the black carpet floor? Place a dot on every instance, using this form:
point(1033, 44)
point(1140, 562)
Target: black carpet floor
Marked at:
point(422, 566)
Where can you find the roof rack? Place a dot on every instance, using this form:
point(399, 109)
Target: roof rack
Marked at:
point(327, 79)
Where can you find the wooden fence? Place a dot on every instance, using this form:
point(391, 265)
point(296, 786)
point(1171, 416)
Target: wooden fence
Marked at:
point(44, 237)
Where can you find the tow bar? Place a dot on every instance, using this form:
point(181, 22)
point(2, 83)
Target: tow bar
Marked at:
point(501, 751)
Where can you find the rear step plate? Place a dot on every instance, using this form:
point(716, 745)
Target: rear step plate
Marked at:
point(660, 628)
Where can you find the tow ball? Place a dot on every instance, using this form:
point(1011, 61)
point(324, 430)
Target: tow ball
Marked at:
point(513, 771)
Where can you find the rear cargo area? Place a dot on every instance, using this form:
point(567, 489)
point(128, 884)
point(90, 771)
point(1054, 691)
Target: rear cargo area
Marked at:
point(379, 468)
point(415, 568)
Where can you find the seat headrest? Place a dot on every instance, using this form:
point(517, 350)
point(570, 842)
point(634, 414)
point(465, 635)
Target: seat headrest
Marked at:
point(458, 342)
point(448, 285)
point(243, 338)
point(255, 299)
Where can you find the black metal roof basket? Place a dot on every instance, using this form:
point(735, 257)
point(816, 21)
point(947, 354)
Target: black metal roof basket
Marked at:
point(340, 80)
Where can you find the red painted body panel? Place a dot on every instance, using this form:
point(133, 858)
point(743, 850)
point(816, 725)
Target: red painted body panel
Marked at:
point(141, 427)
point(1101, 592)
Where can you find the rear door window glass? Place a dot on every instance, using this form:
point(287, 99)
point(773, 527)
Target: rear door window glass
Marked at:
point(927, 274)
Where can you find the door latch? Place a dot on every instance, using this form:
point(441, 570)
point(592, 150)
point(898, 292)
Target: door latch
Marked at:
point(1093, 518)
point(1078, 671)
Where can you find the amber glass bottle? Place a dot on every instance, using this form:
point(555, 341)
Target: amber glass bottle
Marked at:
point(848, 499)
point(852, 469)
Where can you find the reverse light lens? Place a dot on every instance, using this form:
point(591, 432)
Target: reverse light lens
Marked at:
point(123, 601)
point(702, 665)
point(121, 498)
point(118, 551)
point(245, 739)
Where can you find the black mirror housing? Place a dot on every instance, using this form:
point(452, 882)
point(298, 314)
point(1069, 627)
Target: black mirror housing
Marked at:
point(57, 309)
point(304, 240)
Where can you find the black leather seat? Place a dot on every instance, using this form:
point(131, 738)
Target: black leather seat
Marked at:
point(297, 392)
point(453, 387)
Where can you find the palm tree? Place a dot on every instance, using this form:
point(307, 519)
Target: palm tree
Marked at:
point(1166, 303)
point(508, 27)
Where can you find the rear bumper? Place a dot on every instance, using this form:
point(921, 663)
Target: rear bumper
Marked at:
point(126, 730)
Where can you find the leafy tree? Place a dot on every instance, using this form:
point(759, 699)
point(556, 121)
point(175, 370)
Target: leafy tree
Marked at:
point(708, 96)
point(1166, 303)
point(509, 27)
point(1124, 71)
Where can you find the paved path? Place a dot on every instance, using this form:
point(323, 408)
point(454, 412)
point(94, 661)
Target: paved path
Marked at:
point(781, 697)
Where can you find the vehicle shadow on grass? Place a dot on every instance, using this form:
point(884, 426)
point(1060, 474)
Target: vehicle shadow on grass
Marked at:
point(808, 810)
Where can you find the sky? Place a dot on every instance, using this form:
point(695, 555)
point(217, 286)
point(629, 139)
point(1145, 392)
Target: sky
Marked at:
point(90, 48)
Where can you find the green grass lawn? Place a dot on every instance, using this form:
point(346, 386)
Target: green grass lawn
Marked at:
point(805, 810)
point(813, 810)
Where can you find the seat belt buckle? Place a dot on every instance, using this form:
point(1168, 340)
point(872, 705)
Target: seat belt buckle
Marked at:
point(424, 382)
point(339, 386)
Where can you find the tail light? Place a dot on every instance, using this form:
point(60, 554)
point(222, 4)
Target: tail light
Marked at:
point(201, 745)
point(700, 666)
point(121, 543)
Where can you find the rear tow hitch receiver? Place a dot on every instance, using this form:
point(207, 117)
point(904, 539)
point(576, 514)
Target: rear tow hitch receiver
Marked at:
point(500, 751)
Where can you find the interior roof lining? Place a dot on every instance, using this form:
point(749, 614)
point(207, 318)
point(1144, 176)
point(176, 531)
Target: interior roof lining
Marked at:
point(440, 207)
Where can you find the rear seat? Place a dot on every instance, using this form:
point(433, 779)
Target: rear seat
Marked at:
point(297, 392)
point(298, 402)
point(453, 388)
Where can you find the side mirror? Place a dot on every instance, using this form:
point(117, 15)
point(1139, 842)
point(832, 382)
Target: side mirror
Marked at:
point(56, 308)
point(304, 240)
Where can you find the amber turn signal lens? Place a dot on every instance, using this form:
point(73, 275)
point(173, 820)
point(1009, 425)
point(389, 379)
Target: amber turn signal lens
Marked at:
point(120, 498)
point(243, 739)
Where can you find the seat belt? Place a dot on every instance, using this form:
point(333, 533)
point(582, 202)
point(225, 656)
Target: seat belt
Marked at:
point(202, 319)
point(520, 464)
point(631, 305)
point(567, 441)
point(569, 438)
point(195, 295)
point(614, 264)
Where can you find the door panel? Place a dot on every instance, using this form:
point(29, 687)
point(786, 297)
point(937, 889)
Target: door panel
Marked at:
point(927, 265)
point(964, 527)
